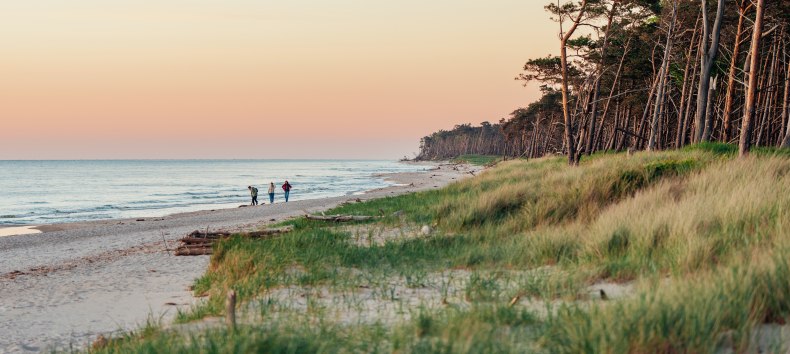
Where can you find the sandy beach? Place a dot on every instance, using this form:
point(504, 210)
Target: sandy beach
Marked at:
point(19, 230)
point(64, 286)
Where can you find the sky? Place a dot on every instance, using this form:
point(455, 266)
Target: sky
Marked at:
point(364, 79)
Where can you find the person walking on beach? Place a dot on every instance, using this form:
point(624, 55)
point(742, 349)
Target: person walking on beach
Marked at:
point(287, 189)
point(271, 192)
point(254, 194)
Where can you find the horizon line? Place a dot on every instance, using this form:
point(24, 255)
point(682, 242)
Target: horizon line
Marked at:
point(211, 159)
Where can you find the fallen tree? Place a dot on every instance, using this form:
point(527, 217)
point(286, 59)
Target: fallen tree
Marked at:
point(198, 234)
point(198, 243)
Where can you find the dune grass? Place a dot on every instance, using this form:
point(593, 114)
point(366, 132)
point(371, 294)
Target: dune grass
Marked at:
point(701, 236)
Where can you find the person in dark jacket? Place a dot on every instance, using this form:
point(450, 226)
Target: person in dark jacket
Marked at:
point(287, 188)
point(254, 194)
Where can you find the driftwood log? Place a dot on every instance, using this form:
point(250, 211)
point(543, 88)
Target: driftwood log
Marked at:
point(198, 243)
point(196, 240)
point(193, 250)
point(197, 234)
point(340, 218)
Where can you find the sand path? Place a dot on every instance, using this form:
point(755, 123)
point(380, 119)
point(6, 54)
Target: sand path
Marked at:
point(61, 288)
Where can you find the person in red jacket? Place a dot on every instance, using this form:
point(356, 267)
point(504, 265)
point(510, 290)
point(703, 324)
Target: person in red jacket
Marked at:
point(287, 189)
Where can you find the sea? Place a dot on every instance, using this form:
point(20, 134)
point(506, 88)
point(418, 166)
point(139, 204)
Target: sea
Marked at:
point(49, 192)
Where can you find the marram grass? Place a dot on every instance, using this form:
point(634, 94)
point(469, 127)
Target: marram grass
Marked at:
point(702, 238)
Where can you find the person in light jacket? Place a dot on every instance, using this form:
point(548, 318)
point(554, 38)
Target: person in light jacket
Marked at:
point(271, 193)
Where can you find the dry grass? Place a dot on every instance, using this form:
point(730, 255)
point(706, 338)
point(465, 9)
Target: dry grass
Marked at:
point(701, 239)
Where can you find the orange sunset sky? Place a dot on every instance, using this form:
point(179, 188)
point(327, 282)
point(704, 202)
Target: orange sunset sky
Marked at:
point(87, 79)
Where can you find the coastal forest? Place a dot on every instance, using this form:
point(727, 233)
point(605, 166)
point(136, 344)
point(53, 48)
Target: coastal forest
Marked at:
point(645, 75)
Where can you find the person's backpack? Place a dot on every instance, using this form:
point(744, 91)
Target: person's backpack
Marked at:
point(255, 190)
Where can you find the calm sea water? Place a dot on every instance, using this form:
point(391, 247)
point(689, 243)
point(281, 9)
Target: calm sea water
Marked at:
point(45, 192)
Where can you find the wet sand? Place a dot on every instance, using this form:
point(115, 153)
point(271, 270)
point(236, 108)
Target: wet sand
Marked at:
point(65, 286)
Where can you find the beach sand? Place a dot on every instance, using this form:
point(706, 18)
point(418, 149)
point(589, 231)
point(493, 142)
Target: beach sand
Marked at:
point(65, 286)
point(19, 230)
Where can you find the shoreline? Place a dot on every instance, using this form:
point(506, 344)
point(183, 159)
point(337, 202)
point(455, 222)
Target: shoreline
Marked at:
point(74, 281)
point(29, 229)
point(26, 230)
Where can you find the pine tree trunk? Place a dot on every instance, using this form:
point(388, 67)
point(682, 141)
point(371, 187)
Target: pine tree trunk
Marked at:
point(569, 136)
point(659, 104)
point(708, 131)
point(748, 116)
point(686, 91)
point(786, 109)
point(708, 58)
point(612, 90)
point(590, 147)
point(768, 95)
point(736, 51)
point(687, 113)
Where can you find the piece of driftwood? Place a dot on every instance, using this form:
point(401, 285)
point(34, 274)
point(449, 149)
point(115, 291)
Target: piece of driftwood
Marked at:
point(198, 243)
point(193, 251)
point(197, 240)
point(340, 218)
point(226, 234)
point(206, 234)
point(230, 310)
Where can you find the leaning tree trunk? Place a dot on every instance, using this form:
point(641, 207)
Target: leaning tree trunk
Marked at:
point(702, 126)
point(768, 95)
point(569, 140)
point(641, 143)
point(642, 124)
point(651, 142)
point(786, 109)
point(581, 115)
point(680, 134)
point(709, 109)
point(590, 147)
point(615, 84)
point(687, 112)
point(748, 112)
point(736, 50)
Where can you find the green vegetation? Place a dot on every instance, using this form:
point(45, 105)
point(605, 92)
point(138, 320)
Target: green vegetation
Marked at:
point(479, 160)
point(678, 251)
